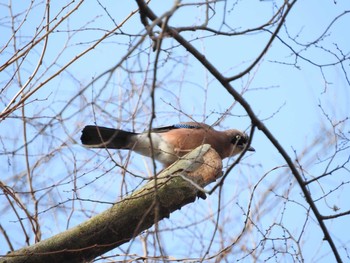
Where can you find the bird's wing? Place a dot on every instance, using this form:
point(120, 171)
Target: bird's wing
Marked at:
point(182, 125)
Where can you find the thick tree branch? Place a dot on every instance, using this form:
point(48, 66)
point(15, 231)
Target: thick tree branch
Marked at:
point(177, 186)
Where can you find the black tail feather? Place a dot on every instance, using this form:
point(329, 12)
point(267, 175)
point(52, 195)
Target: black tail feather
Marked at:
point(102, 137)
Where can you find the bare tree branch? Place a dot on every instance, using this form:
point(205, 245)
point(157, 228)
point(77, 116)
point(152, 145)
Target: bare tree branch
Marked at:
point(132, 215)
point(146, 11)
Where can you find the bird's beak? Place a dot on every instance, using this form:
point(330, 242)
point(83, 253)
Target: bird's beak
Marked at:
point(250, 149)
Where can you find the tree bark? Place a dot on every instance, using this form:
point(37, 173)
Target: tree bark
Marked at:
point(173, 188)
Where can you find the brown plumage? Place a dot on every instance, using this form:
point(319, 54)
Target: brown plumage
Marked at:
point(168, 143)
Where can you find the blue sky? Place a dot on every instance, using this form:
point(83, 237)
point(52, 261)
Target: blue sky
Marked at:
point(285, 96)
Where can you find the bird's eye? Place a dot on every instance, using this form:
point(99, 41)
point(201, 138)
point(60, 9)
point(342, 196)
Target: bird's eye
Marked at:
point(239, 140)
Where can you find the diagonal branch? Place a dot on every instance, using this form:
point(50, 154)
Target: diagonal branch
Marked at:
point(132, 215)
point(147, 12)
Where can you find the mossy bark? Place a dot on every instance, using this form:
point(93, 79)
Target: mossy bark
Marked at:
point(173, 188)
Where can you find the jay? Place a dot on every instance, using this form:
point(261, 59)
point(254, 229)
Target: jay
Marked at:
point(168, 143)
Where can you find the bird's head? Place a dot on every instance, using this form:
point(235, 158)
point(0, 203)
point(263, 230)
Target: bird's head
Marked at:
point(239, 141)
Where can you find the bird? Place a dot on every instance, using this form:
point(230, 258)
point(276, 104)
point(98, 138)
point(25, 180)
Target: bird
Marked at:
point(167, 144)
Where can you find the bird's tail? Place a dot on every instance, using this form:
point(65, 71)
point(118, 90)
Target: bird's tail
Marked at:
point(102, 137)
